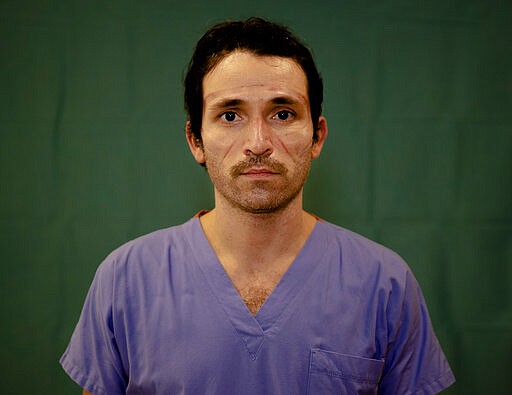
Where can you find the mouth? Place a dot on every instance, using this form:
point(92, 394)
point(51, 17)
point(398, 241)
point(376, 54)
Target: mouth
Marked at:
point(261, 168)
point(256, 172)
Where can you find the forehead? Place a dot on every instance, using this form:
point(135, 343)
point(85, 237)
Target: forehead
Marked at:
point(242, 73)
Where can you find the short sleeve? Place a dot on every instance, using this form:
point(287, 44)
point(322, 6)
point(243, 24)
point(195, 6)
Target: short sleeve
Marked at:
point(92, 358)
point(415, 363)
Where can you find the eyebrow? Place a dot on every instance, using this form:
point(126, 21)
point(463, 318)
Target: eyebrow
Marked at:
point(225, 103)
point(284, 100)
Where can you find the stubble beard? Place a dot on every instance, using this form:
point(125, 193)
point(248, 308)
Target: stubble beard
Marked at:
point(258, 196)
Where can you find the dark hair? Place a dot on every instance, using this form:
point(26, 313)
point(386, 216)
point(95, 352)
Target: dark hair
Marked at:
point(255, 35)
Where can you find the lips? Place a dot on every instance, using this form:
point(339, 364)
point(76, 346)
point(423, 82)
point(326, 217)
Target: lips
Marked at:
point(258, 169)
point(261, 171)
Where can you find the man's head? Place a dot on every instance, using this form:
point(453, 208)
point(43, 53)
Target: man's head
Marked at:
point(254, 100)
point(256, 36)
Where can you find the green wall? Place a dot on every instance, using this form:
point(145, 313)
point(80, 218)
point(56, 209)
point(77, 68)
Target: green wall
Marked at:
point(92, 153)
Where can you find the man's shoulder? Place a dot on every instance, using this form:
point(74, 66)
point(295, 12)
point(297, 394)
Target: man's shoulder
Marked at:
point(350, 238)
point(361, 250)
point(154, 245)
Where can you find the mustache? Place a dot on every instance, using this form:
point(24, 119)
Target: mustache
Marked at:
point(269, 163)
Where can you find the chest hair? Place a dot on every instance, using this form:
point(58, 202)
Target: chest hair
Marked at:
point(254, 297)
point(255, 289)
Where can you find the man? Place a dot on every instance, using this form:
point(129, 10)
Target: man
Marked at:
point(256, 296)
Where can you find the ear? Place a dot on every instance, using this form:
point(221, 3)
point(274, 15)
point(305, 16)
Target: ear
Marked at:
point(321, 135)
point(195, 145)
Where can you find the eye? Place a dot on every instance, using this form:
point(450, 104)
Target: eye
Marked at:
point(229, 116)
point(284, 115)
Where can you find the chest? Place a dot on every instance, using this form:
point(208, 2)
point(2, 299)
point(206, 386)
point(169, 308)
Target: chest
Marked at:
point(220, 341)
point(255, 287)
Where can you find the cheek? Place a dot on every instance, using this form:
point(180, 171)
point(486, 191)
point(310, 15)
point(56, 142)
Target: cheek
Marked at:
point(218, 149)
point(296, 145)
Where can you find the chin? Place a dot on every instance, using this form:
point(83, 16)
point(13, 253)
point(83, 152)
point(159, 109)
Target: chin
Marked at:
point(266, 206)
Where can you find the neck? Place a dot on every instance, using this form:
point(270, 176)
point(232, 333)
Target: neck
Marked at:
point(257, 242)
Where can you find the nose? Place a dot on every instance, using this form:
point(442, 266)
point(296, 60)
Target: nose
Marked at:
point(259, 139)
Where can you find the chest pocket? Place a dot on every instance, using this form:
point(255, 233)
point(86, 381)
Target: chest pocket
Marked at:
point(334, 373)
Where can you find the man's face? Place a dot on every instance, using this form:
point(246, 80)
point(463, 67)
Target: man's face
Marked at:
point(257, 131)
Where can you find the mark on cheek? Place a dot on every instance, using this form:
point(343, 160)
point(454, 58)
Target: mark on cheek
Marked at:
point(217, 150)
point(295, 144)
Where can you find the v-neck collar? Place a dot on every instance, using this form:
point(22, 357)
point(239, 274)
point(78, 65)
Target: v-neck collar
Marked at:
point(277, 307)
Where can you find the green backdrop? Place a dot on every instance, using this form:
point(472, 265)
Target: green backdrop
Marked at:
point(92, 153)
